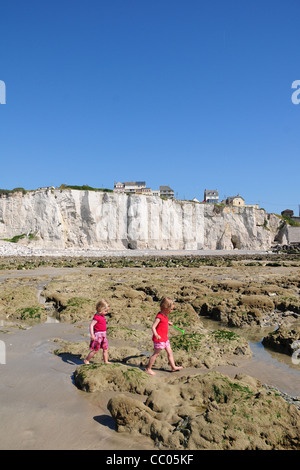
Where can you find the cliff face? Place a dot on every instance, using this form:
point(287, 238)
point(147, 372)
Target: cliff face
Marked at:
point(88, 219)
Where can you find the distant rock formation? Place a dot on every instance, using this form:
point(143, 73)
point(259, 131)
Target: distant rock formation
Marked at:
point(58, 219)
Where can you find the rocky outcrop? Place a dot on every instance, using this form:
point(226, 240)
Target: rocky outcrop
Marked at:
point(210, 412)
point(289, 235)
point(204, 411)
point(284, 340)
point(59, 219)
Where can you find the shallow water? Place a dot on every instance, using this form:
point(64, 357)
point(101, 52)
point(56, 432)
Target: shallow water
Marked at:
point(40, 406)
point(270, 367)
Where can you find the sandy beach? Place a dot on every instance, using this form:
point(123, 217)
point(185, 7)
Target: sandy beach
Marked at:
point(19, 249)
point(41, 408)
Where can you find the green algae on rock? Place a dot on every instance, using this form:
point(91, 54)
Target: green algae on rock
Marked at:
point(211, 412)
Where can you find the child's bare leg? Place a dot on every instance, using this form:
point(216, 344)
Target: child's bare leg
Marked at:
point(171, 360)
point(105, 356)
point(89, 357)
point(151, 362)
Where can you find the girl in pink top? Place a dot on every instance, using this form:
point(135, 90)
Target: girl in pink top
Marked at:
point(160, 335)
point(98, 332)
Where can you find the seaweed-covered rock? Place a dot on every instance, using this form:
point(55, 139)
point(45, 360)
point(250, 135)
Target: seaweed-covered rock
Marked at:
point(20, 303)
point(130, 415)
point(283, 339)
point(211, 412)
point(201, 349)
point(208, 349)
point(99, 377)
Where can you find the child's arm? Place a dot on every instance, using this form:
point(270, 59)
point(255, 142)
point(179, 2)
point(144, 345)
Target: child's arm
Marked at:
point(93, 323)
point(170, 323)
point(154, 326)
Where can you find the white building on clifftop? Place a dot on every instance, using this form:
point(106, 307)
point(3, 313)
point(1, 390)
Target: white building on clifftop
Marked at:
point(139, 187)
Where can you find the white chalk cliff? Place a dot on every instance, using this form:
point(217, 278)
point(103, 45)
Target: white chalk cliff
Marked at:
point(98, 220)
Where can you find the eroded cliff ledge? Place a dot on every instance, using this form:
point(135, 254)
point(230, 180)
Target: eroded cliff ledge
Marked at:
point(98, 220)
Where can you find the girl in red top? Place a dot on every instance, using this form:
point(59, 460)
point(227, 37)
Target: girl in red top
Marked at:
point(98, 332)
point(160, 335)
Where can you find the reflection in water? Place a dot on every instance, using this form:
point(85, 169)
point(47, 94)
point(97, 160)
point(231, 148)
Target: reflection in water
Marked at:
point(51, 319)
point(269, 356)
point(255, 337)
point(51, 313)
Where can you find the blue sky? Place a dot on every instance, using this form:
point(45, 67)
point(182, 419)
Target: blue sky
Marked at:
point(192, 94)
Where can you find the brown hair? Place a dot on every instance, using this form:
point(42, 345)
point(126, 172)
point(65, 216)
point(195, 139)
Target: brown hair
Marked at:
point(166, 302)
point(101, 305)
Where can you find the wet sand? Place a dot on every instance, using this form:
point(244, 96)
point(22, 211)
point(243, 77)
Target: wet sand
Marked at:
point(40, 406)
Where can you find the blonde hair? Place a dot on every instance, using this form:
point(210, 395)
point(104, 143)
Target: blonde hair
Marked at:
point(166, 303)
point(101, 305)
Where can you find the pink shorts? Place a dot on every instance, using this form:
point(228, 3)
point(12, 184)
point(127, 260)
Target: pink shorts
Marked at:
point(99, 342)
point(161, 344)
